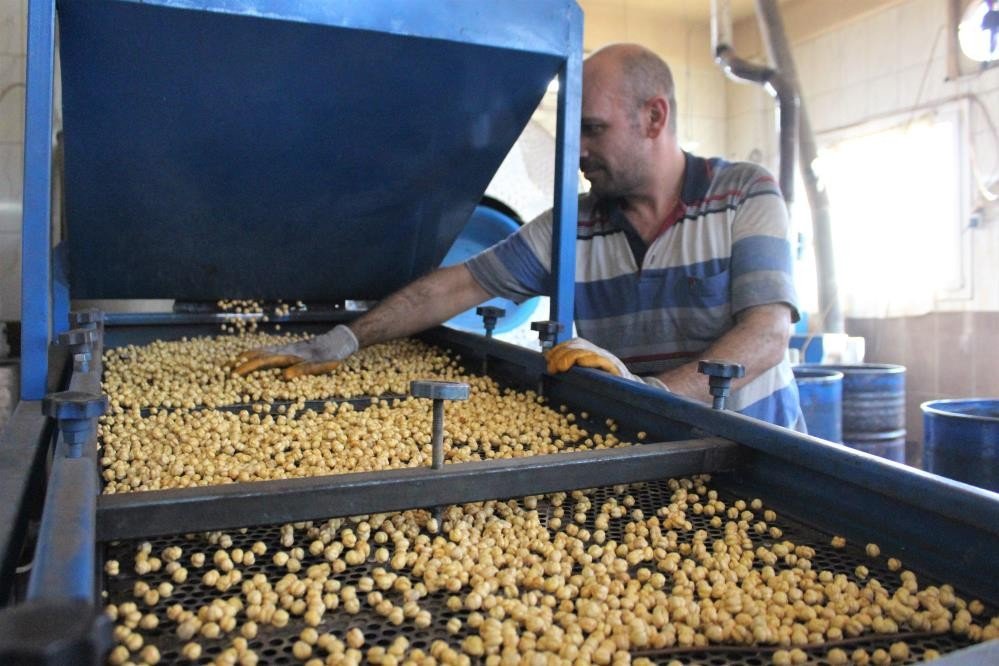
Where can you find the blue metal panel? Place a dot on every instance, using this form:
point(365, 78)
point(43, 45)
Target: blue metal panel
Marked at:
point(23, 450)
point(539, 26)
point(36, 322)
point(213, 155)
point(65, 555)
point(566, 180)
point(63, 567)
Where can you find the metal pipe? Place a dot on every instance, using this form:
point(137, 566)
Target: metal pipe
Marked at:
point(568, 116)
point(36, 245)
point(782, 88)
point(779, 52)
point(438, 435)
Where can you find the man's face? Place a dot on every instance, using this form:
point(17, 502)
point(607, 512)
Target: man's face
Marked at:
point(611, 150)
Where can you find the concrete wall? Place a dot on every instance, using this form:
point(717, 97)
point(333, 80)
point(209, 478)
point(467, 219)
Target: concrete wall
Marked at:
point(879, 62)
point(12, 59)
point(685, 45)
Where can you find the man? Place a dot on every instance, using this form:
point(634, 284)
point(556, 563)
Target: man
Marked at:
point(678, 258)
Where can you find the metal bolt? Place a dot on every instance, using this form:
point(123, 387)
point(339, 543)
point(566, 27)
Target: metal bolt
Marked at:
point(720, 375)
point(438, 392)
point(490, 315)
point(80, 342)
point(91, 318)
point(74, 411)
point(547, 330)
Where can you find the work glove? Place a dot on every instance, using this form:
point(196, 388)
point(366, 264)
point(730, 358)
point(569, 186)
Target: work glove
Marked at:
point(315, 356)
point(584, 353)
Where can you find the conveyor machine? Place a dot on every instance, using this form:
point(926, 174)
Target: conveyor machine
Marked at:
point(332, 151)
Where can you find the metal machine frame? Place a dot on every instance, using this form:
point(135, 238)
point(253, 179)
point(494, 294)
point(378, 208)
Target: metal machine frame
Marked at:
point(942, 528)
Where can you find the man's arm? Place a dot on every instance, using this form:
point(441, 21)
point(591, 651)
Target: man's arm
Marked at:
point(431, 300)
point(758, 342)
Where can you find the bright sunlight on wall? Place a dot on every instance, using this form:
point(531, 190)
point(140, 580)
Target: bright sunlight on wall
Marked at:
point(898, 209)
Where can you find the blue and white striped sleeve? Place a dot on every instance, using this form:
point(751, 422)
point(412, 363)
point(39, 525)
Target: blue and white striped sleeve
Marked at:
point(519, 266)
point(761, 266)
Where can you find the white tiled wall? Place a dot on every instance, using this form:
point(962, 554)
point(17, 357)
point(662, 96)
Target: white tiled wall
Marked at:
point(882, 63)
point(12, 57)
point(685, 46)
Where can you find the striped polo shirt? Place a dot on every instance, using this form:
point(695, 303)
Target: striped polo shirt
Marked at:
point(724, 248)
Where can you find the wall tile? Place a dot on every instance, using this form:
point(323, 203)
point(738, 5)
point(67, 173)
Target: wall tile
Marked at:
point(10, 277)
point(883, 40)
point(919, 21)
point(603, 23)
point(956, 334)
point(11, 98)
point(13, 25)
point(881, 94)
point(854, 46)
point(11, 171)
point(648, 27)
point(823, 110)
point(854, 105)
point(805, 57)
point(984, 356)
point(829, 73)
point(705, 95)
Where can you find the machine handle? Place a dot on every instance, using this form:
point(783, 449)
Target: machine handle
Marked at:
point(720, 375)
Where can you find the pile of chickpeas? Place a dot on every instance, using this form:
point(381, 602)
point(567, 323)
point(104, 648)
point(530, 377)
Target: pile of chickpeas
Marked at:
point(198, 372)
point(536, 580)
point(155, 436)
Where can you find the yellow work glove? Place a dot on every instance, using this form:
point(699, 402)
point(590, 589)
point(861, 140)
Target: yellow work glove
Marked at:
point(315, 356)
point(584, 353)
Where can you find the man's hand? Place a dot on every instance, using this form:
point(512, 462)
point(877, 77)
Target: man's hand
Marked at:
point(587, 355)
point(314, 356)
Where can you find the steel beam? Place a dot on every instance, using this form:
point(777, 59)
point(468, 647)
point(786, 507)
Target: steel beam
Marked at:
point(23, 447)
point(147, 514)
point(565, 213)
point(36, 272)
point(64, 563)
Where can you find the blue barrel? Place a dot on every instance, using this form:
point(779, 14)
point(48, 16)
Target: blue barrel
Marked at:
point(873, 408)
point(961, 440)
point(821, 395)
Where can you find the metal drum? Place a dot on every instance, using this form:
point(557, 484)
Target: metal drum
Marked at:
point(873, 408)
point(961, 440)
point(821, 394)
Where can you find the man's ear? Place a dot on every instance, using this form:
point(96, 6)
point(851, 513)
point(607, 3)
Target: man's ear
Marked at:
point(657, 112)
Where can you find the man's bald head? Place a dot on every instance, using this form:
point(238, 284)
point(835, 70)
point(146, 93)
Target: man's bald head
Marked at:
point(641, 74)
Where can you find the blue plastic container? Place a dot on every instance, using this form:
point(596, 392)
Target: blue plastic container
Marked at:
point(821, 395)
point(873, 408)
point(961, 440)
point(485, 228)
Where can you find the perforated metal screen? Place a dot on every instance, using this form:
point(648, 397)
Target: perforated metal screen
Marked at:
point(274, 646)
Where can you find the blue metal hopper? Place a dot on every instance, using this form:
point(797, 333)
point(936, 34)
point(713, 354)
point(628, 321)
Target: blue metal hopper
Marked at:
point(275, 149)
